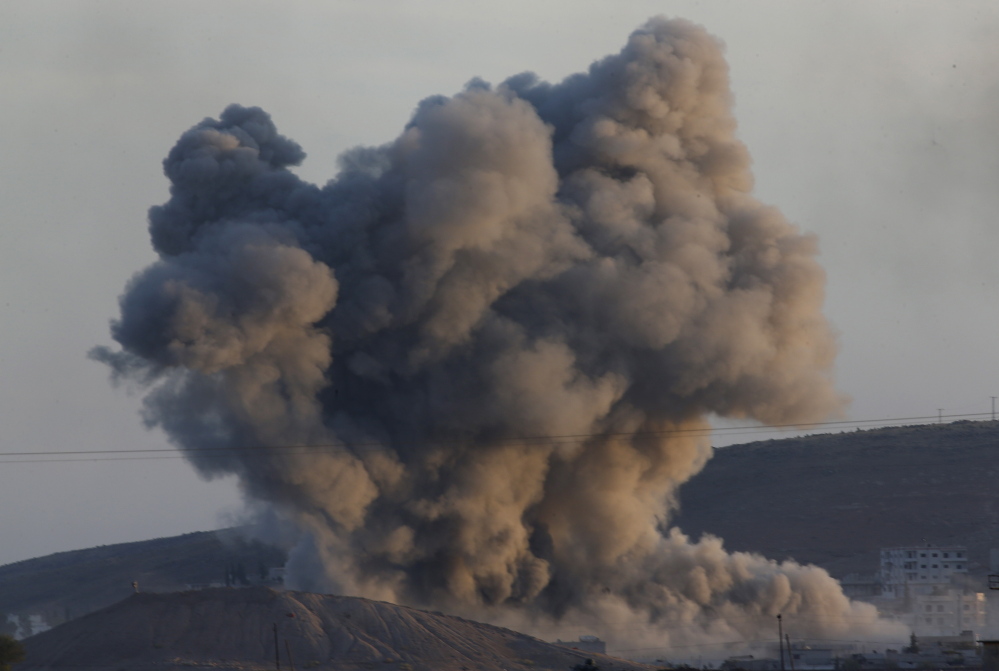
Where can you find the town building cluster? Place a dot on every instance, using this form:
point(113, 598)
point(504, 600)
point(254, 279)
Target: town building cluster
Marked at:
point(930, 590)
point(951, 613)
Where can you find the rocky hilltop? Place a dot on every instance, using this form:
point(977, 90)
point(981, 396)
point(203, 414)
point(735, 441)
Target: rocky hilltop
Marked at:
point(235, 629)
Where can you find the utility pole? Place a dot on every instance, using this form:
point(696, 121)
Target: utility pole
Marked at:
point(993, 408)
point(939, 415)
point(287, 647)
point(277, 650)
point(790, 657)
point(780, 640)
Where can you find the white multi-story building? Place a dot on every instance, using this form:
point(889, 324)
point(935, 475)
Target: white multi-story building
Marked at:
point(908, 571)
point(946, 612)
point(921, 582)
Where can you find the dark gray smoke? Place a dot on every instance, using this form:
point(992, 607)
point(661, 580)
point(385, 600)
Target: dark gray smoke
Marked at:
point(506, 327)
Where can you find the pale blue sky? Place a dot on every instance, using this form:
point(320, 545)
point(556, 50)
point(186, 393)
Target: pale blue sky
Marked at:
point(871, 124)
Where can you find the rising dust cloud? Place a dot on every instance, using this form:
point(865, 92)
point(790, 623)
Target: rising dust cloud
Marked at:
point(507, 328)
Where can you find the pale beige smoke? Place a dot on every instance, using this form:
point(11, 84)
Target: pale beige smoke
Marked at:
point(541, 293)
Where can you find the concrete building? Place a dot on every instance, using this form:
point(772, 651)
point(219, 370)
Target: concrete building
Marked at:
point(804, 658)
point(992, 599)
point(750, 663)
point(587, 643)
point(947, 611)
point(927, 588)
point(917, 569)
point(990, 655)
point(862, 586)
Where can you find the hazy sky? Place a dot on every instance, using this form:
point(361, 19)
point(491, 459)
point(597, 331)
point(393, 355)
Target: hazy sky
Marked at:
point(874, 125)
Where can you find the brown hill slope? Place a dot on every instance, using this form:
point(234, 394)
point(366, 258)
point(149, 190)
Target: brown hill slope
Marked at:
point(234, 629)
point(836, 499)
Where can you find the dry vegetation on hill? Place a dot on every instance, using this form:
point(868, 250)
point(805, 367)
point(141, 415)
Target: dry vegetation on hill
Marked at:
point(836, 499)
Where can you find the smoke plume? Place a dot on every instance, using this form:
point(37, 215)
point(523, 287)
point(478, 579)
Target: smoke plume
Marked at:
point(473, 368)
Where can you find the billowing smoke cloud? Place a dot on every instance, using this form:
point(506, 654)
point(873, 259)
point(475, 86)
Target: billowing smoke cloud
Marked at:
point(483, 354)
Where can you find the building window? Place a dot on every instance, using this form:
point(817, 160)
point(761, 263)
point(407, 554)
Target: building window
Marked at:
point(967, 607)
point(922, 554)
point(929, 620)
point(934, 566)
point(929, 609)
point(958, 566)
point(959, 555)
point(946, 555)
point(939, 609)
point(923, 566)
point(934, 554)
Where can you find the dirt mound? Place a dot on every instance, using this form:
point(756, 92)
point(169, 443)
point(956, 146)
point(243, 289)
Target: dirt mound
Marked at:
point(234, 629)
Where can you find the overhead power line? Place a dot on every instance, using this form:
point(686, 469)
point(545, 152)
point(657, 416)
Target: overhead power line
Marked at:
point(154, 454)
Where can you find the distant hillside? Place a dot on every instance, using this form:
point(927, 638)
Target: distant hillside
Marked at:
point(832, 500)
point(235, 629)
point(66, 585)
point(836, 499)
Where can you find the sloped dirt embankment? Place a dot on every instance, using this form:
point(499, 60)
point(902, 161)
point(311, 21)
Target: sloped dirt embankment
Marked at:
point(234, 629)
